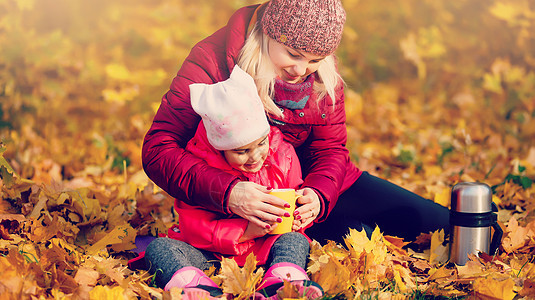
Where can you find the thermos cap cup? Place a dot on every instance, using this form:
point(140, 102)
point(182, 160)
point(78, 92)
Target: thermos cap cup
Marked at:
point(471, 197)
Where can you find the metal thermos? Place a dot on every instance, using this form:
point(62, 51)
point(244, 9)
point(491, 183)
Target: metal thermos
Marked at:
point(472, 215)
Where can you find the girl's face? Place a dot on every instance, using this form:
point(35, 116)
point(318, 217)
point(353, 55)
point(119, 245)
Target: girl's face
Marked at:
point(292, 65)
point(249, 158)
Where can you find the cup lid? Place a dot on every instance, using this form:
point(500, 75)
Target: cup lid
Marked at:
point(471, 197)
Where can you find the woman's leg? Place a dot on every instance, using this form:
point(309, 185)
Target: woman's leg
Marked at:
point(374, 201)
point(165, 256)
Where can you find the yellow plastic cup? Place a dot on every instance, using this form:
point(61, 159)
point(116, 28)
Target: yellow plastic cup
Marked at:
point(289, 196)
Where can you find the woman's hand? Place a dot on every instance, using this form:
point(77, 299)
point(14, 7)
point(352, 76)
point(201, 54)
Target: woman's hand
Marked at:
point(253, 202)
point(308, 208)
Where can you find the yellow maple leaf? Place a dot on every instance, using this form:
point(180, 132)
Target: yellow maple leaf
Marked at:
point(493, 83)
point(333, 277)
point(106, 293)
point(443, 197)
point(405, 282)
point(516, 236)
point(471, 269)
point(240, 281)
point(511, 12)
point(118, 71)
point(377, 246)
point(9, 177)
point(430, 42)
point(356, 241)
point(438, 252)
point(441, 274)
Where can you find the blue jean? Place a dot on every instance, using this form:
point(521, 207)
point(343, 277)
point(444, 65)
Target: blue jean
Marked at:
point(164, 256)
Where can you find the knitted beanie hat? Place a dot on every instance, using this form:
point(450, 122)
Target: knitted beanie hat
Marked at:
point(231, 110)
point(313, 26)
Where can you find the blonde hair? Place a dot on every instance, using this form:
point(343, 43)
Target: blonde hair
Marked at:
point(254, 59)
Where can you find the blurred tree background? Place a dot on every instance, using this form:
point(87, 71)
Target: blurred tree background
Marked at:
point(73, 70)
point(437, 92)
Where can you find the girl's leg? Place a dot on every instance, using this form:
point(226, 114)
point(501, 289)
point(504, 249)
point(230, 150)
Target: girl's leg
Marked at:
point(165, 256)
point(292, 247)
point(287, 261)
point(374, 201)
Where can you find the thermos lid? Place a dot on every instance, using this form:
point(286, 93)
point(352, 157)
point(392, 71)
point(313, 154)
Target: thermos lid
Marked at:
point(471, 197)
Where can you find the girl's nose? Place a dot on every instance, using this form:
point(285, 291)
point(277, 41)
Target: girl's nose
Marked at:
point(255, 155)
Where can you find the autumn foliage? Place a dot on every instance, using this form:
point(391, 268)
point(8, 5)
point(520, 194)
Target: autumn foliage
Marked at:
point(438, 92)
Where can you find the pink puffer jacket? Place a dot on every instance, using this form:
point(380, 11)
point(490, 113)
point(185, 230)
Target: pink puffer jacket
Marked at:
point(317, 131)
point(220, 233)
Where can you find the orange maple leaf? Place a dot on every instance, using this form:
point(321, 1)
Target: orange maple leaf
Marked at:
point(490, 288)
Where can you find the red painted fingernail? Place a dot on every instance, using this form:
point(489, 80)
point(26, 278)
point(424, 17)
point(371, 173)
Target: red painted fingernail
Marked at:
point(269, 188)
point(287, 215)
point(296, 213)
point(268, 227)
point(279, 220)
point(298, 217)
point(287, 205)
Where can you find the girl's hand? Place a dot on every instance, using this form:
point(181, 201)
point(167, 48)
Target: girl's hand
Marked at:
point(252, 202)
point(254, 231)
point(308, 208)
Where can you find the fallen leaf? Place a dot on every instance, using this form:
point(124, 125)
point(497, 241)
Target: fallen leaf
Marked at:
point(240, 281)
point(106, 293)
point(494, 289)
point(121, 238)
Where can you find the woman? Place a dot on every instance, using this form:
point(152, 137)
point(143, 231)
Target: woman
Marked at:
point(287, 46)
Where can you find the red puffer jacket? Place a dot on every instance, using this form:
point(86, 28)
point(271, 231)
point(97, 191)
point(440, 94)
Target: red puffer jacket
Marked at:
point(219, 233)
point(317, 131)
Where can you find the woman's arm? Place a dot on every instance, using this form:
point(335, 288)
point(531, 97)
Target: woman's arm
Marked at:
point(166, 162)
point(175, 170)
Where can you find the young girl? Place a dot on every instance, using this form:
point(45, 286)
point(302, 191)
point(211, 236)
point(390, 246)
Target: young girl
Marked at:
point(288, 47)
point(234, 136)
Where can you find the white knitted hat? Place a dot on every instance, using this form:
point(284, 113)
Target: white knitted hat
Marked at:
point(231, 110)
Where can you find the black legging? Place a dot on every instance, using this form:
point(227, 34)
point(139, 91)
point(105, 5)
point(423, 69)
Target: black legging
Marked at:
point(373, 201)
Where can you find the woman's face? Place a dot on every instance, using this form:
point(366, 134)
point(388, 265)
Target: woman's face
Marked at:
point(292, 65)
point(249, 158)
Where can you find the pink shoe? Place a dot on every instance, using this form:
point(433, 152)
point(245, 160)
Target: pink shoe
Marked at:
point(280, 272)
point(195, 284)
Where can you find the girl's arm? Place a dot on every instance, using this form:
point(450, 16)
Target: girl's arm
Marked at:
point(208, 231)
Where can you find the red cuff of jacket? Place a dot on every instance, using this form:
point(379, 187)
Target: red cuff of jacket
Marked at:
point(313, 181)
point(226, 209)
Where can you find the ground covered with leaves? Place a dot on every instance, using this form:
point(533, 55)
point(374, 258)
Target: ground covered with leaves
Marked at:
point(437, 93)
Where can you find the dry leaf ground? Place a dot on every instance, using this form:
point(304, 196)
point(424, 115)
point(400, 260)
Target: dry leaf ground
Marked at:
point(438, 92)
